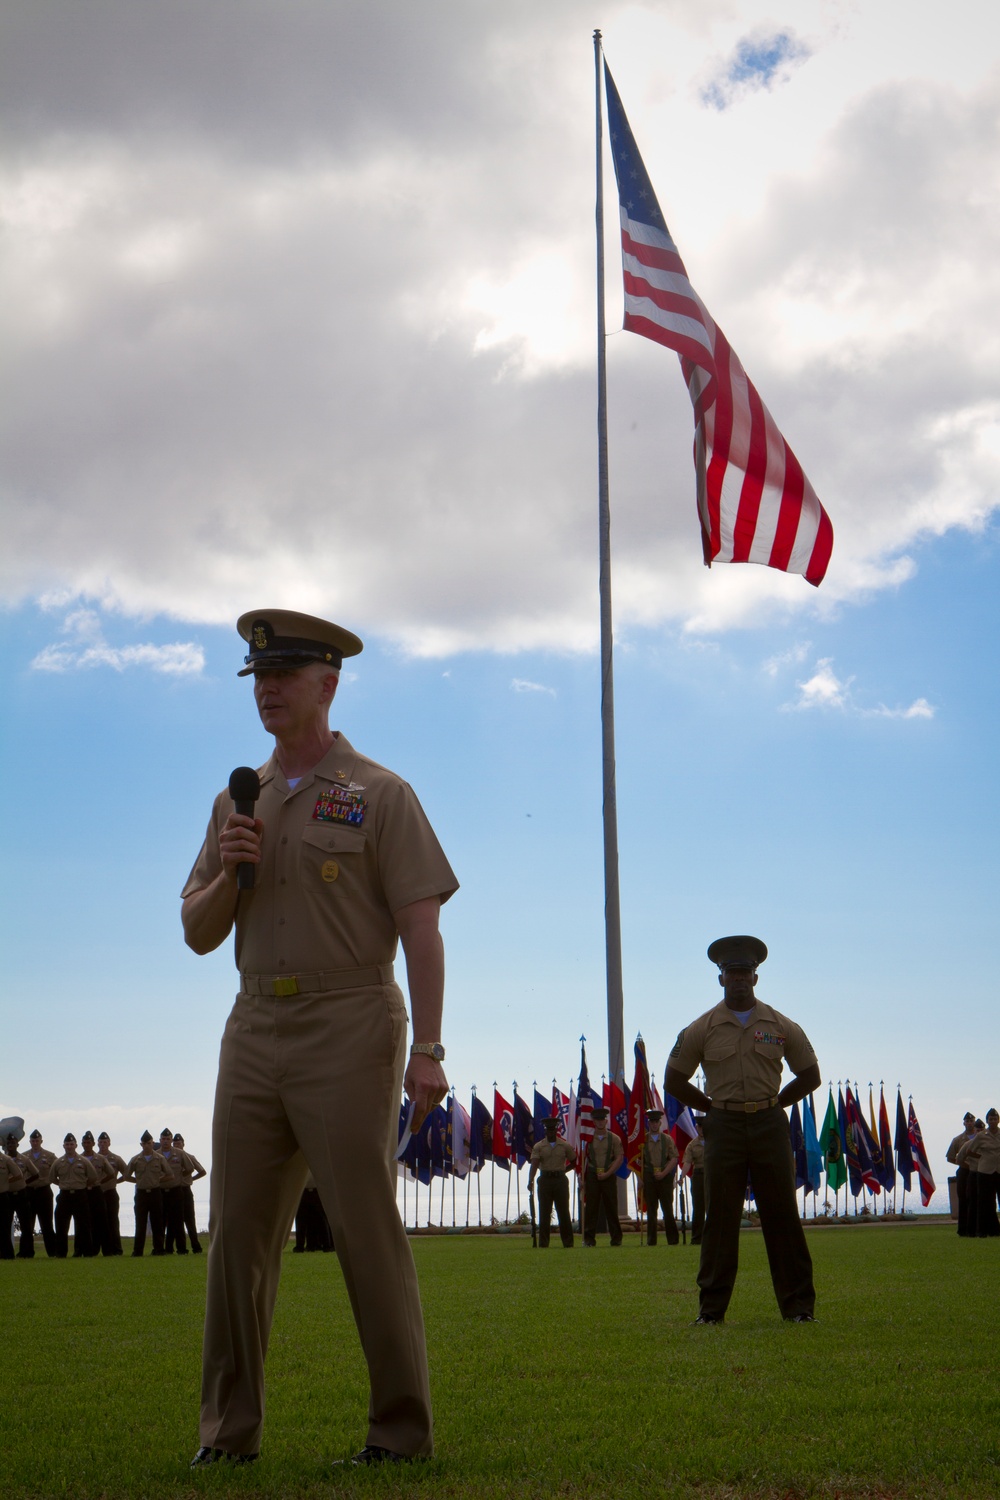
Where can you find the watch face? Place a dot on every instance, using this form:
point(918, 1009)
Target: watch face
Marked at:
point(437, 1051)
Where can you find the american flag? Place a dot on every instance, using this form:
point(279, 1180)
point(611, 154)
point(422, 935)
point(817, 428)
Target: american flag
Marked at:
point(754, 502)
point(584, 1115)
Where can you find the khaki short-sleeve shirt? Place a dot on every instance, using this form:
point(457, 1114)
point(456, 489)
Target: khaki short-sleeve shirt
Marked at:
point(552, 1158)
point(11, 1176)
point(659, 1153)
point(73, 1173)
point(694, 1155)
point(43, 1161)
point(340, 852)
point(149, 1172)
point(119, 1168)
point(606, 1153)
point(106, 1174)
point(742, 1064)
point(982, 1153)
point(960, 1140)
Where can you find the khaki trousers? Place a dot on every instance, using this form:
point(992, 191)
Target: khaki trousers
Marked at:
point(311, 1083)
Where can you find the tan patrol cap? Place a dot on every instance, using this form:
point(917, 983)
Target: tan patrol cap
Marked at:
point(279, 638)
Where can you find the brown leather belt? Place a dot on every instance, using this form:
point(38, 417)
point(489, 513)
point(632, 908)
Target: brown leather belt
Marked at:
point(752, 1108)
point(283, 985)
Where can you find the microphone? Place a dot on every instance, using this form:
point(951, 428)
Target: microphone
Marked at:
point(244, 788)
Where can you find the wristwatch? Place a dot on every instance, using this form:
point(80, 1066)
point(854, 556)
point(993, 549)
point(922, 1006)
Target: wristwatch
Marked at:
point(428, 1049)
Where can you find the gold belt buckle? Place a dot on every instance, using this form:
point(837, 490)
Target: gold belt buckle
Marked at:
point(289, 986)
point(751, 1107)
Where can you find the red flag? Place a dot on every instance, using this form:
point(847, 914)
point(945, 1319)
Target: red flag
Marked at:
point(560, 1111)
point(754, 501)
point(640, 1099)
point(503, 1130)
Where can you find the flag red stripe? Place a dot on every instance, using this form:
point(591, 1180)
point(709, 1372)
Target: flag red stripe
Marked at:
point(638, 286)
point(652, 255)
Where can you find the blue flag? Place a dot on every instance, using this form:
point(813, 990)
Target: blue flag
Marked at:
point(815, 1160)
point(543, 1112)
point(904, 1152)
point(798, 1146)
point(481, 1135)
point(524, 1130)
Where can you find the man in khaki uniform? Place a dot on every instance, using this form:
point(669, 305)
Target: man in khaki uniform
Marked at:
point(311, 1066)
point(151, 1174)
point(20, 1205)
point(112, 1204)
point(982, 1156)
point(11, 1187)
point(963, 1175)
point(604, 1156)
point(173, 1194)
point(191, 1171)
point(39, 1205)
point(72, 1175)
point(551, 1159)
point(694, 1167)
point(106, 1175)
point(741, 1045)
point(659, 1169)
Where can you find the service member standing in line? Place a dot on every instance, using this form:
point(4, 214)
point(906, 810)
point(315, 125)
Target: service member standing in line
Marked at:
point(106, 1174)
point(39, 1204)
point(173, 1194)
point(551, 1160)
point(311, 1066)
point(72, 1175)
point(191, 1171)
point(21, 1196)
point(151, 1174)
point(740, 1045)
point(112, 1203)
point(604, 1156)
point(659, 1169)
point(982, 1156)
point(11, 1184)
point(694, 1166)
point(963, 1175)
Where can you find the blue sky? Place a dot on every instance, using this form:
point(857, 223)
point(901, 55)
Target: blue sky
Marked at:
point(280, 347)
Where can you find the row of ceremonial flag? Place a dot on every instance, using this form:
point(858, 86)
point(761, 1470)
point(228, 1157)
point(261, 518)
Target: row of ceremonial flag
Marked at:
point(846, 1149)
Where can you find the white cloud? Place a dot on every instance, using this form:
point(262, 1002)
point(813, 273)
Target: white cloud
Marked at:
point(793, 657)
point(87, 648)
point(335, 347)
point(918, 709)
point(825, 690)
point(522, 685)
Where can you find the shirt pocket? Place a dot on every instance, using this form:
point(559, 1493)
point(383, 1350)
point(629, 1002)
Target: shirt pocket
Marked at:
point(719, 1049)
point(330, 854)
point(774, 1051)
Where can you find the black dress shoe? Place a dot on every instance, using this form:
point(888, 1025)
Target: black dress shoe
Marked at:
point(372, 1454)
point(801, 1318)
point(219, 1455)
point(706, 1321)
point(206, 1456)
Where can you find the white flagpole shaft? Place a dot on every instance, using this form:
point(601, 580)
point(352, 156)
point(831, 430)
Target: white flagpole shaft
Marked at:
point(612, 901)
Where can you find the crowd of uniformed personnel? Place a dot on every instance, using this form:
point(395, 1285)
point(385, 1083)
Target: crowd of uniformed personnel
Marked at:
point(80, 1188)
point(976, 1156)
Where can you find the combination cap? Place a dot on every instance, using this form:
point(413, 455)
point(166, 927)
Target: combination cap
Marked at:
point(279, 638)
point(654, 1114)
point(737, 952)
point(599, 1114)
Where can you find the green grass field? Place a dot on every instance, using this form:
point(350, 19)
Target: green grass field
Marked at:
point(554, 1374)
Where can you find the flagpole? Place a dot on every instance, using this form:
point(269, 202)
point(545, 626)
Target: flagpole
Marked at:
point(612, 900)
